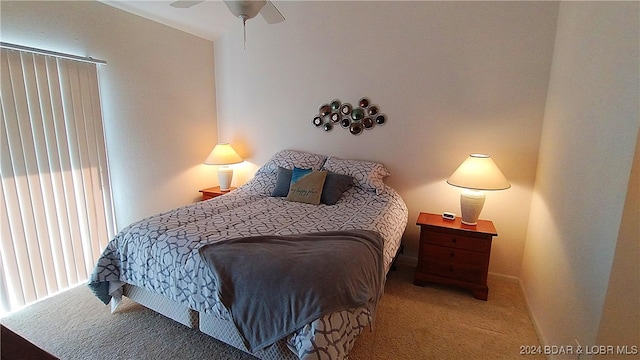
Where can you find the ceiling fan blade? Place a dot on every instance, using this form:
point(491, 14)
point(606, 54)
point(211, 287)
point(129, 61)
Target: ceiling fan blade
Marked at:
point(184, 4)
point(271, 14)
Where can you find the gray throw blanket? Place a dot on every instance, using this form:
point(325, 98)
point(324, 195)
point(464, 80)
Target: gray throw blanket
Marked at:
point(273, 285)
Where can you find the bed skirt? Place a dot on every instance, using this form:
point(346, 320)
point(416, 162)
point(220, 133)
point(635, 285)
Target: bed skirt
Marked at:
point(160, 304)
point(225, 331)
point(220, 329)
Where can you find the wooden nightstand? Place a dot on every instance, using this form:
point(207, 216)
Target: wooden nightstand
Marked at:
point(212, 192)
point(452, 253)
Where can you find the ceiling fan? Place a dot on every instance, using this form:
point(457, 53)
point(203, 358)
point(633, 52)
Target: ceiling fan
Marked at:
point(244, 9)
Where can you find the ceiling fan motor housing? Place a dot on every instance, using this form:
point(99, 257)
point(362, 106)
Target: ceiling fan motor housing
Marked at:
point(245, 9)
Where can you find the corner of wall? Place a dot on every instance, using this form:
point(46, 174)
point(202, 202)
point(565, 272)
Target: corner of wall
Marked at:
point(621, 314)
point(571, 251)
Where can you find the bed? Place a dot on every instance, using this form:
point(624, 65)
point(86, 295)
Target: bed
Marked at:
point(159, 262)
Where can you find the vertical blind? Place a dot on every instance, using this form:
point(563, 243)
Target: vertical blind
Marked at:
point(55, 199)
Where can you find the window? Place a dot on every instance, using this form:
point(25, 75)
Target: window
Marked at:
point(55, 199)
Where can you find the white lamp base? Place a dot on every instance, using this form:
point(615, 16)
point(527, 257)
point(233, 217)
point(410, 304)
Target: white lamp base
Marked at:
point(225, 174)
point(471, 203)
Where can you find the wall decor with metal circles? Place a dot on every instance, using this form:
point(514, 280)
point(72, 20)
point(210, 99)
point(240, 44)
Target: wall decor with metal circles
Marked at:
point(357, 118)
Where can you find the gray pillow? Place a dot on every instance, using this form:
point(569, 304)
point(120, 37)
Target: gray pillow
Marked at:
point(282, 182)
point(334, 186)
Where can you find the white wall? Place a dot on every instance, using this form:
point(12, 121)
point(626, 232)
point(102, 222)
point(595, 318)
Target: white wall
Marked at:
point(620, 323)
point(158, 96)
point(587, 147)
point(453, 78)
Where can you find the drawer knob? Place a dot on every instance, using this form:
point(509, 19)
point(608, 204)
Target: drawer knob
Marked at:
point(453, 254)
point(453, 240)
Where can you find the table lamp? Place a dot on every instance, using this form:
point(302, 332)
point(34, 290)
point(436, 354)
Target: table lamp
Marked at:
point(475, 175)
point(224, 155)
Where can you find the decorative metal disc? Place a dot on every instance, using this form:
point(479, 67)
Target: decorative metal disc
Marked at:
point(325, 110)
point(357, 114)
point(345, 109)
point(355, 128)
point(368, 123)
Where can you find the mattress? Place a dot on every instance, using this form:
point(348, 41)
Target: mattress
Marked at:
point(160, 253)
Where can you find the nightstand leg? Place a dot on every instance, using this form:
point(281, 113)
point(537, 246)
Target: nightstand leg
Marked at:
point(481, 294)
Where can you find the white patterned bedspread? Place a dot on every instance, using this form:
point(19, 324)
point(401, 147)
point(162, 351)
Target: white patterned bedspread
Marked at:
point(160, 253)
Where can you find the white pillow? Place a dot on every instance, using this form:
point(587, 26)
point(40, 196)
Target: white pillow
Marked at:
point(292, 158)
point(369, 175)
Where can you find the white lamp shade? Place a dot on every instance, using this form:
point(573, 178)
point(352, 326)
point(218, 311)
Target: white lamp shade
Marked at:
point(479, 172)
point(223, 154)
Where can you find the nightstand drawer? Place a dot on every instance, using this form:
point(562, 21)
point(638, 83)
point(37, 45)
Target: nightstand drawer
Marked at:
point(207, 196)
point(457, 241)
point(454, 256)
point(453, 253)
point(459, 272)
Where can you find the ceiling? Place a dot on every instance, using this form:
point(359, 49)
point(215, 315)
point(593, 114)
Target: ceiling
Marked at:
point(208, 19)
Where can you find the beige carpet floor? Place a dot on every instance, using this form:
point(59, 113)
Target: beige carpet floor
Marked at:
point(432, 322)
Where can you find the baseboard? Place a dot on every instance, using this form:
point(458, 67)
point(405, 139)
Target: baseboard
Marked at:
point(536, 327)
point(534, 321)
point(509, 278)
